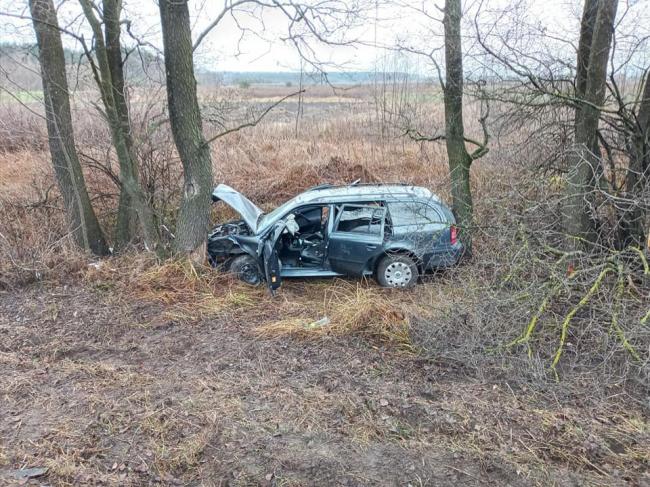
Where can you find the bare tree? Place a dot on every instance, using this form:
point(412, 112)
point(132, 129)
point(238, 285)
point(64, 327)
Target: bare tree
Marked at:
point(584, 161)
point(67, 169)
point(633, 227)
point(185, 119)
point(104, 73)
point(593, 105)
point(460, 159)
point(126, 214)
point(452, 82)
point(584, 47)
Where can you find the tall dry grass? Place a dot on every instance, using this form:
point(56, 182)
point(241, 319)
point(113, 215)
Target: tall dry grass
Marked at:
point(468, 315)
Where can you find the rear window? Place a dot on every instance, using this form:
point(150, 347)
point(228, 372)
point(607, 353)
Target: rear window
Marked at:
point(414, 213)
point(361, 219)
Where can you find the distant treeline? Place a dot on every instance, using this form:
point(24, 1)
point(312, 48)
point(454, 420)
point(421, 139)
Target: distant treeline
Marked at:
point(144, 66)
point(248, 78)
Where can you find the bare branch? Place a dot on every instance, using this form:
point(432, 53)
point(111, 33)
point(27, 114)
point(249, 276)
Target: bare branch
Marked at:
point(254, 122)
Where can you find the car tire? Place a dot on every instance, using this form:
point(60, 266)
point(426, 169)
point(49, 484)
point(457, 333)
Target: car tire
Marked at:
point(397, 270)
point(221, 266)
point(246, 270)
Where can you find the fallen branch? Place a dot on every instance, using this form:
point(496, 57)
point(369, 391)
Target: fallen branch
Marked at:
point(525, 337)
point(567, 320)
point(620, 288)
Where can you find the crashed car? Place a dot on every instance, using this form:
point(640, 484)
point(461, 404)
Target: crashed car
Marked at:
point(394, 232)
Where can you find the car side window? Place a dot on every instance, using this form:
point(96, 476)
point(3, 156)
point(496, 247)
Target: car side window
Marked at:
point(405, 213)
point(368, 219)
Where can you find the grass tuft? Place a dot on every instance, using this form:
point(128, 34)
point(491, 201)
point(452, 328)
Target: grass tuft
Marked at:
point(347, 309)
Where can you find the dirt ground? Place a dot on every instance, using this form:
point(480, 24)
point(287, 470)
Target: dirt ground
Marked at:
point(104, 390)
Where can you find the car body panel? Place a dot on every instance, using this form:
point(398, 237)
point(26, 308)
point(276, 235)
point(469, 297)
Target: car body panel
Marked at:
point(270, 260)
point(238, 202)
point(419, 225)
point(353, 253)
point(308, 272)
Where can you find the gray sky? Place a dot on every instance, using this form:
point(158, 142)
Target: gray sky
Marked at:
point(262, 49)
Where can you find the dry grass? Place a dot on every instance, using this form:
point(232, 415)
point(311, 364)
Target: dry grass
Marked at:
point(127, 404)
point(182, 292)
point(187, 295)
point(166, 367)
point(344, 308)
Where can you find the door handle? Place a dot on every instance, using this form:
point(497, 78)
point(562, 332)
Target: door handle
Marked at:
point(371, 247)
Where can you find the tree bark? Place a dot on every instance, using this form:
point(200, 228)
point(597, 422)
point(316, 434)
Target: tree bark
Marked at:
point(459, 159)
point(185, 119)
point(584, 45)
point(67, 169)
point(587, 24)
point(633, 231)
point(125, 229)
point(579, 218)
point(128, 177)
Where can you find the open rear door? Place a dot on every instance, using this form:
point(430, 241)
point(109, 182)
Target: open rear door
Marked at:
point(272, 264)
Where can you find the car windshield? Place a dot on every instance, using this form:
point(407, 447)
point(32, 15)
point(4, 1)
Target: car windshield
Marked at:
point(266, 219)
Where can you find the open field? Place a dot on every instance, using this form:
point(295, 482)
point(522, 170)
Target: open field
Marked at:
point(131, 371)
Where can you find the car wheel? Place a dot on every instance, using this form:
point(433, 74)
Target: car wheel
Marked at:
point(397, 271)
point(221, 266)
point(245, 268)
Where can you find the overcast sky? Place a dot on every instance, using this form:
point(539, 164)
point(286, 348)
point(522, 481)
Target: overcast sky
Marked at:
point(262, 45)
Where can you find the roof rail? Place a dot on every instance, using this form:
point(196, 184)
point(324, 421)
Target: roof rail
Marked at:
point(321, 186)
point(355, 184)
point(380, 183)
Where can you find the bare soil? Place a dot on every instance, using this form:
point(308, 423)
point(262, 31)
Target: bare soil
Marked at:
point(103, 389)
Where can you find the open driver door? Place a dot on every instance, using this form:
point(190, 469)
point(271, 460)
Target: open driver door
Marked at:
point(272, 264)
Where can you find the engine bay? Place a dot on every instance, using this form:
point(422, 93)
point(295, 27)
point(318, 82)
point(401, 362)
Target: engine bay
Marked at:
point(237, 227)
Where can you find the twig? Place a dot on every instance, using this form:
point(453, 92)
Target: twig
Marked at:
point(567, 321)
point(254, 122)
point(620, 287)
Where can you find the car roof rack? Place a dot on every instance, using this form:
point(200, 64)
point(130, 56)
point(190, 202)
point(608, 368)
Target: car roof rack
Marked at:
point(321, 186)
point(356, 183)
point(380, 183)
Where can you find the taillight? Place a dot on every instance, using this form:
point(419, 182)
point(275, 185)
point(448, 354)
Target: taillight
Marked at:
point(453, 234)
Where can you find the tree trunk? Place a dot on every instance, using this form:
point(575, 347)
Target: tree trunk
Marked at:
point(584, 45)
point(128, 178)
point(185, 119)
point(587, 23)
point(125, 229)
point(633, 231)
point(459, 159)
point(67, 169)
point(579, 218)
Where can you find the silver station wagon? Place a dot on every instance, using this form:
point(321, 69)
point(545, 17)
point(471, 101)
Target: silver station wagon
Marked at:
point(394, 232)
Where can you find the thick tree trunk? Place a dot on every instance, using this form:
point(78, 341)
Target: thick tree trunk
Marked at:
point(459, 159)
point(67, 169)
point(185, 118)
point(126, 227)
point(128, 178)
point(633, 230)
point(584, 161)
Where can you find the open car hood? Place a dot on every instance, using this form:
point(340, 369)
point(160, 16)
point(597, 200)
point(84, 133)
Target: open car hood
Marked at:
point(249, 212)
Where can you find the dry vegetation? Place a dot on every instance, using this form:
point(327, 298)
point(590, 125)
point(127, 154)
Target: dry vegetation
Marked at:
point(131, 371)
